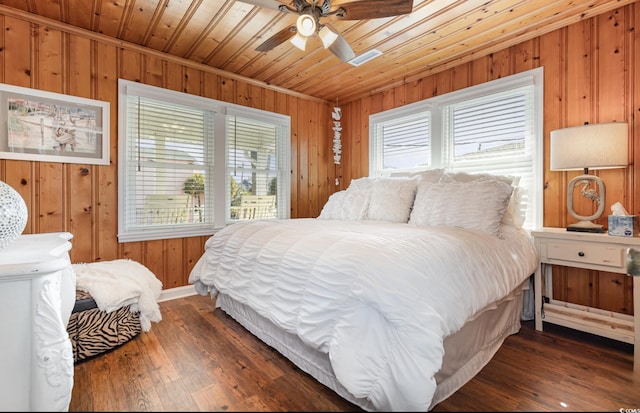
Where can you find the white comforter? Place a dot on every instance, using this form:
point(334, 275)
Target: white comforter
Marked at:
point(378, 297)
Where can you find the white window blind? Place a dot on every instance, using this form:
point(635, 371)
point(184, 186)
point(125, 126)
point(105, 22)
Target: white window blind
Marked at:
point(256, 169)
point(176, 172)
point(402, 140)
point(493, 128)
point(495, 133)
point(165, 163)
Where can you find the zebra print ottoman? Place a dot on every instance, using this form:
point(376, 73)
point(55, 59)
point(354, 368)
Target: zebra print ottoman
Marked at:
point(92, 331)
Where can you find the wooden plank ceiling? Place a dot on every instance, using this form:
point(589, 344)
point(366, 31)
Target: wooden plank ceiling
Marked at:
point(224, 34)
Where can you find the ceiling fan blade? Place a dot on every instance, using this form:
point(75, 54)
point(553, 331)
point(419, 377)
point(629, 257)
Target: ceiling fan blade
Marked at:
point(342, 49)
point(373, 9)
point(277, 39)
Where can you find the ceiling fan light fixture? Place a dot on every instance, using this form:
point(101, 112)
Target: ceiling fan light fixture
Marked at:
point(342, 49)
point(328, 35)
point(306, 25)
point(310, 12)
point(299, 41)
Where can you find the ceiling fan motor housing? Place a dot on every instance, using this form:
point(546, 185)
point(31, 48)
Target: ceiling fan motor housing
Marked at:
point(311, 11)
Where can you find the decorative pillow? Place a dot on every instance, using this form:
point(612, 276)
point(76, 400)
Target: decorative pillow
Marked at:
point(477, 205)
point(516, 210)
point(346, 205)
point(430, 175)
point(355, 205)
point(391, 199)
point(331, 210)
point(361, 184)
point(470, 177)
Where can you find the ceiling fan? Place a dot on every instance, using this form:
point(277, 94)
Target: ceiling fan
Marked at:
point(311, 11)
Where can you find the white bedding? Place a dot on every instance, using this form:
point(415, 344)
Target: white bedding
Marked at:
point(378, 297)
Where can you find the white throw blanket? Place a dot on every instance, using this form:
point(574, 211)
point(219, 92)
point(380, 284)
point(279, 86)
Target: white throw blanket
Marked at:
point(114, 284)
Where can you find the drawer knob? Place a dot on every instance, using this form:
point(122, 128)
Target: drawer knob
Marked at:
point(581, 254)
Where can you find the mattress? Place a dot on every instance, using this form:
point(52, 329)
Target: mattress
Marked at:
point(467, 351)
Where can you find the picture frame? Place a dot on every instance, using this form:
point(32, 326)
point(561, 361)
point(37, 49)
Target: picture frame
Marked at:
point(37, 125)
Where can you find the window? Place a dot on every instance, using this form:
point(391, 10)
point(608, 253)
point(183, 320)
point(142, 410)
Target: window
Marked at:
point(495, 127)
point(188, 164)
point(405, 141)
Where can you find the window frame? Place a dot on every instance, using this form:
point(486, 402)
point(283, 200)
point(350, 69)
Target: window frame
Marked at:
point(216, 189)
point(440, 138)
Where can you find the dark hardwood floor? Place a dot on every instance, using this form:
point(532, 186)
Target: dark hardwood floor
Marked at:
point(197, 359)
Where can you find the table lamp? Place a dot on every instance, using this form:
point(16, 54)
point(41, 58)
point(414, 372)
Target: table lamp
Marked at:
point(590, 146)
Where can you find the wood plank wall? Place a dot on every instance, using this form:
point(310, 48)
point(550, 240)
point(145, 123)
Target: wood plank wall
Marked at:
point(82, 199)
point(591, 74)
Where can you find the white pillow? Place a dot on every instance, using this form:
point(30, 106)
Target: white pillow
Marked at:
point(477, 205)
point(331, 210)
point(469, 177)
point(346, 205)
point(361, 184)
point(516, 210)
point(391, 199)
point(429, 175)
point(355, 205)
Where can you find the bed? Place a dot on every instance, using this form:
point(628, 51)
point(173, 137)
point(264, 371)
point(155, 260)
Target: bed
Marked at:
point(395, 296)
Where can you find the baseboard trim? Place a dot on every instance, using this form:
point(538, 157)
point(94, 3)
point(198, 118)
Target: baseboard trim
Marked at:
point(177, 292)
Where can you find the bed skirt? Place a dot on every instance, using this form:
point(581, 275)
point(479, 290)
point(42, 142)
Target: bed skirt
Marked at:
point(466, 351)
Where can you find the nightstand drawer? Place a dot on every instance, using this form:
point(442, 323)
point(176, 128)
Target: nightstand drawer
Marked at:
point(598, 254)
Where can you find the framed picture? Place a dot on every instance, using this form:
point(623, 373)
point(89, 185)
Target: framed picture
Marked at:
point(52, 127)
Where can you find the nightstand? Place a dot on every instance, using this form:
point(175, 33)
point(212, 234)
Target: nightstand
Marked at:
point(590, 251)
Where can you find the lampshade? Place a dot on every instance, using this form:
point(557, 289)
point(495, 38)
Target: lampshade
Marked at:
point(340, 47)
point(592, 146)
point(328, 35)
point(299, 41)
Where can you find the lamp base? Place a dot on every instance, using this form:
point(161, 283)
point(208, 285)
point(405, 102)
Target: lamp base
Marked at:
point(586, 226)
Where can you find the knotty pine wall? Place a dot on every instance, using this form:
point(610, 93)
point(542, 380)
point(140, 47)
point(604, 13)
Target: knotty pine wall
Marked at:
point(591, 74)
point(82, 199)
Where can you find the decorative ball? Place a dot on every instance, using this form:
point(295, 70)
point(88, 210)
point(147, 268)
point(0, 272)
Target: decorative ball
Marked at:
point(13, 215)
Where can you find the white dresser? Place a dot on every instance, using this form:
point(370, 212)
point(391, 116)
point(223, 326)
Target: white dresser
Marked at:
point(37, 294)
